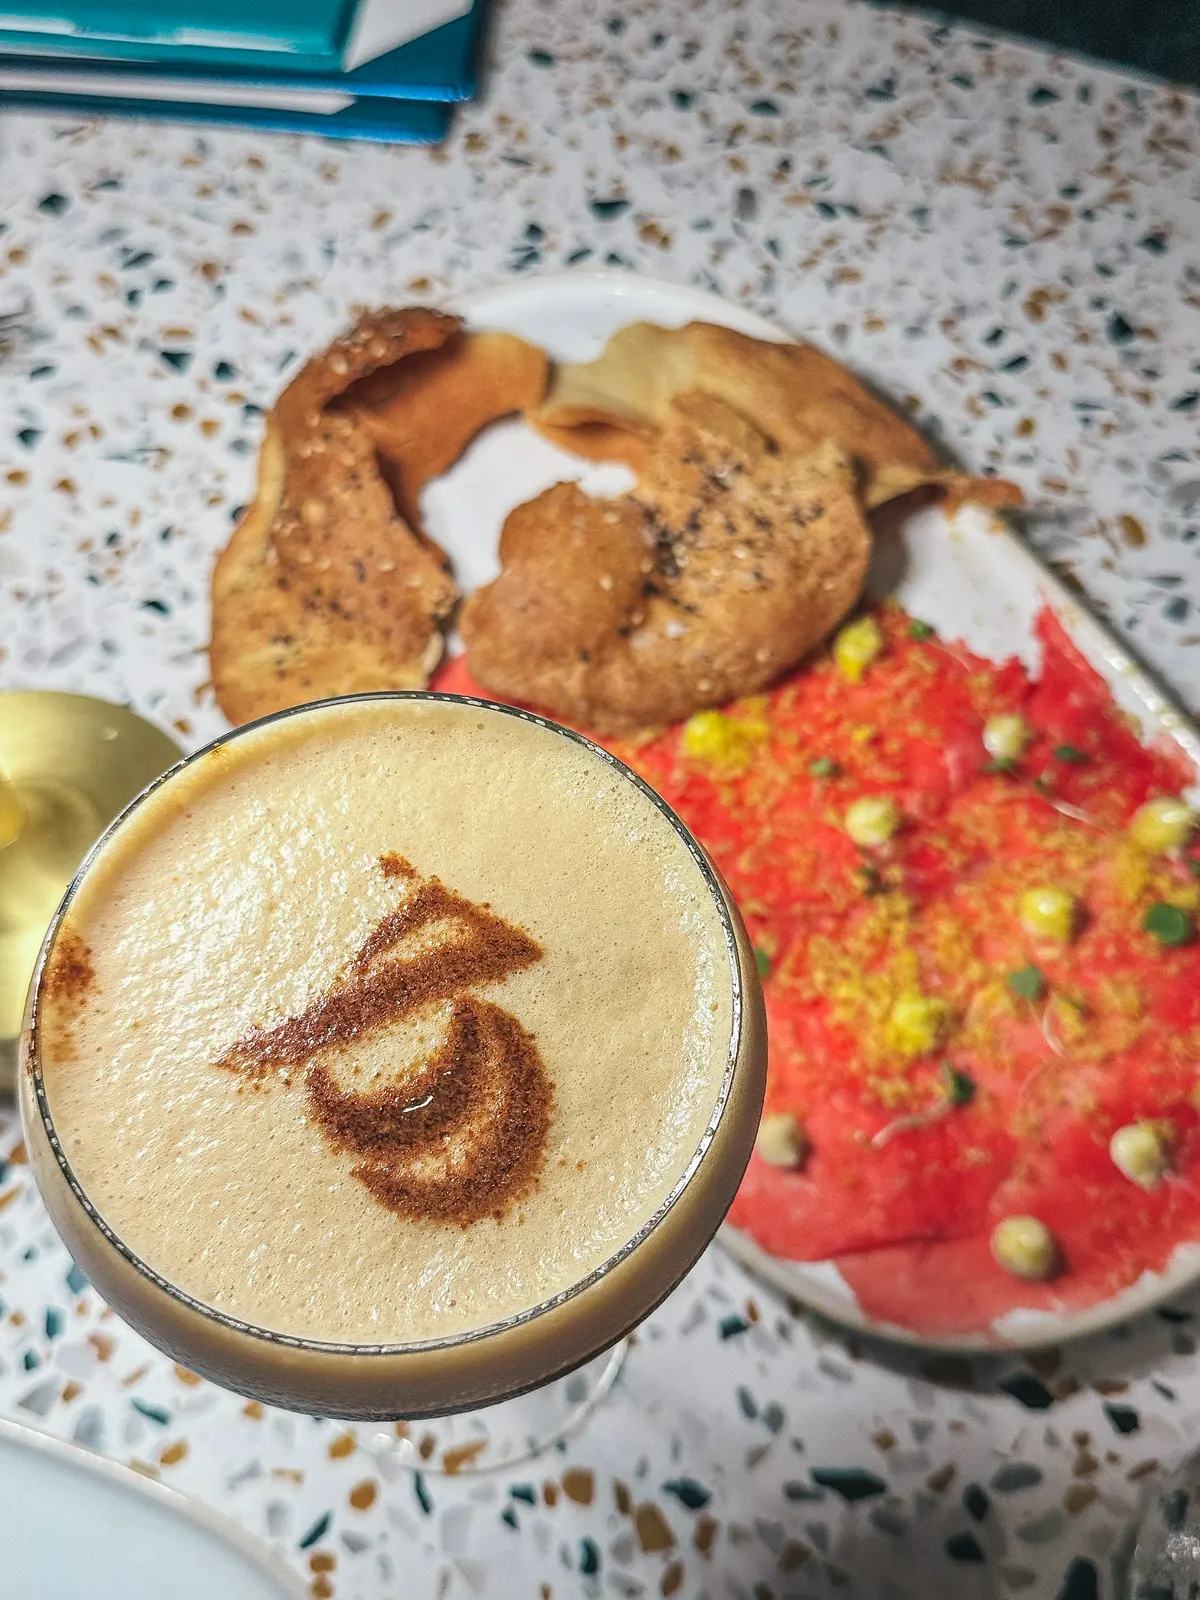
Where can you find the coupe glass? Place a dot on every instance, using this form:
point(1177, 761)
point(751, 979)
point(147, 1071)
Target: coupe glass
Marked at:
point(559, 1355)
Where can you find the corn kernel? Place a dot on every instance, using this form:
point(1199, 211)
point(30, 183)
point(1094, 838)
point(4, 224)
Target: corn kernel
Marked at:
point(856, 646)
point(872, 820)
point(782, 1141)
point(1162, 824)
point(1025, 1247)
point(916, 1023)
point(1142, 1151)
point(1049, 913)
point(1005, 737)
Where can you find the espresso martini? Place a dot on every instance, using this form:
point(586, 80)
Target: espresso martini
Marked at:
point(387, 1023)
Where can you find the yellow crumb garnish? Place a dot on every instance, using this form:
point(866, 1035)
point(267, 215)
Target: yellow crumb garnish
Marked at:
point(1131, 869)
point(724, 741)
point(856, 646)
point(706, 735)
point(916, 1023)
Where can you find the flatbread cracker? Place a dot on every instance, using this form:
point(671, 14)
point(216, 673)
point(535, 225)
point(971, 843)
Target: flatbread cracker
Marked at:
point(422, 412)
point(326, 588)
point(793, 393)
point(726, 566)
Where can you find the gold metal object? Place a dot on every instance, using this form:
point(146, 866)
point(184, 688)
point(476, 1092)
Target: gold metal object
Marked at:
point(68, 765)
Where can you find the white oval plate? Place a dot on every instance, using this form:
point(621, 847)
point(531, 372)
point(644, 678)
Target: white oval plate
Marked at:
point(76, 1524)
point(970, 577)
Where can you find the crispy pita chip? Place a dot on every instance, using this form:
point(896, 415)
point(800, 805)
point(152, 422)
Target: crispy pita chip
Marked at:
point(727, 565)
point(424, 411)
point(949, 489)
point(600, 441)
point(326, 588)
point(793, 393)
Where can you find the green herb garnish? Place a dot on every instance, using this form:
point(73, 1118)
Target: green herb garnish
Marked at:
point(1027, 982)
point(918, 629)
point(763, 962)
point(999, 764)
point(1070, 753)
point(872, 882)
point(1042, 783)
point(959, 1088)
point(823, 767)
point(1167, 923)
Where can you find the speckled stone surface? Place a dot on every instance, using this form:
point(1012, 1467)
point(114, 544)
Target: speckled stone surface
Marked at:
point(1007, 242)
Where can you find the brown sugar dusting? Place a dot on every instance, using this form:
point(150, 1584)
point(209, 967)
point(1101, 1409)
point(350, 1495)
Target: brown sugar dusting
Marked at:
point(464, 1136)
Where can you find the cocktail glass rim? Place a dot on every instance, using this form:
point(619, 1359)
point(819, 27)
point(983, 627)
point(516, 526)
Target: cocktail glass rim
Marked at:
point(30, 1052)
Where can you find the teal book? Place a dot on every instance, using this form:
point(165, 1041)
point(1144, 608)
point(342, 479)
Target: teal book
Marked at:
point(314, 36)
point(380, 118)
point(440, 65)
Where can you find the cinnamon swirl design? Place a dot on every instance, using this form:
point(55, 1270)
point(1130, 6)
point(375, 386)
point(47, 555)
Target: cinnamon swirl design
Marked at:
point(459, 1134)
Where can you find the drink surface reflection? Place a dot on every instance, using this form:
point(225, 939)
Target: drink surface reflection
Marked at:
point(393, 1056)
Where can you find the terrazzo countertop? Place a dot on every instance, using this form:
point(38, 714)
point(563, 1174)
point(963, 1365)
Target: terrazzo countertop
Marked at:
point(1010, 244)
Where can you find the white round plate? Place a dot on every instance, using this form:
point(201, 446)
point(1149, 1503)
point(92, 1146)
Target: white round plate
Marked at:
point(972, 581)
point(76, 1524)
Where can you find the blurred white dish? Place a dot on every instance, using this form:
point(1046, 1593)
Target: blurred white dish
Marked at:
point(76, 1524)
